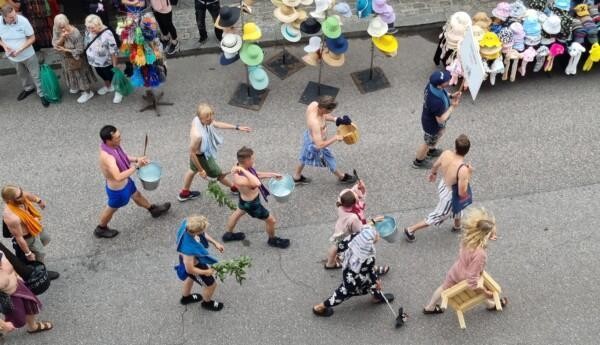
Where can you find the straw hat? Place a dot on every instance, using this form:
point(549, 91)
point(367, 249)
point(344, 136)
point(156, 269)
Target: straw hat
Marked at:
point(311, 59)
point(349, 132)
point(386, 43)
point(291, 3)
point(251, 54)
point(285, 14)
point(290, 33)
point(259, 79)
point(333, 60)
point(482, 20)
point(302, 16)
point(231, 43)
point(306, 2)
point(314, 44)
point(277, 3)
point(478, 32)
point(251, 32)
point(337, 45)
point(377, 27)
point(331, 27)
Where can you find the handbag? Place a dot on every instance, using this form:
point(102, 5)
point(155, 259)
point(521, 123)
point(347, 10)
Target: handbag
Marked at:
point(458, 203)
point(34, 273)
point(6, 305)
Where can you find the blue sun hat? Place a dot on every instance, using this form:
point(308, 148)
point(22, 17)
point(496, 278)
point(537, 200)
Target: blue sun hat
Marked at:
point(228, 58)
point(364, 8)
point(564, 5)
point(259, 79)
point(337, 45)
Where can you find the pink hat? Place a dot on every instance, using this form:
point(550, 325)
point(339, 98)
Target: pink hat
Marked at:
point(380, 6)
point(502, 11)
point(517, 30)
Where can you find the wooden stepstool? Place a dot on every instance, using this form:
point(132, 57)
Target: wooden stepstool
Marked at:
point(462, 298)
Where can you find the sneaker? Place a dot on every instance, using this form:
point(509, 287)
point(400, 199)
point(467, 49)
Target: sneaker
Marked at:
point(212, 305)
point(105, 232)
point(348, 179)
point(193, 298)
point(45, 102)
point(302, 180)
point(424, 164)
point(202, 40)
point(433, 153)
point(73, 91)
point(278, 242)
point(233, 236)
point(190, 195)
point(172, 48)
point(158, 210)
point(85, 96)
point(53, 275)
point(118, 98)
point(410, 237)
point(104, 90)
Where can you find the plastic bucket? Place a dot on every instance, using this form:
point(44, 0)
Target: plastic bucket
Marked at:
point(150, 175)
point(281, 189)
point(387, 229)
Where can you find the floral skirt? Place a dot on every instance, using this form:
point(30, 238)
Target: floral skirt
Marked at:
point(78, 79)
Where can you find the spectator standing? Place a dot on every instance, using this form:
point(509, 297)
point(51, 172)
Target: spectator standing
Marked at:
point(163, 12)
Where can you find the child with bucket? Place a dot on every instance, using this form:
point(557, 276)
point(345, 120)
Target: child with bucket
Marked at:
point(351, 218)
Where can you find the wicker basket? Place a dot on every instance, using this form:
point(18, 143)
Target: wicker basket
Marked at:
point(349, 132)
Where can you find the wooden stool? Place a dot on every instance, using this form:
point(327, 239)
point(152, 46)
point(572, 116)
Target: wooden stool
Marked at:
point(462, 298)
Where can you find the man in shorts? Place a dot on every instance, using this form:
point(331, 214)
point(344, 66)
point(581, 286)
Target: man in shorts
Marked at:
point(455, 171)
point(247, 179)
point(437, 108)
point(315, 144)
point(204, 142)
point(116, 167)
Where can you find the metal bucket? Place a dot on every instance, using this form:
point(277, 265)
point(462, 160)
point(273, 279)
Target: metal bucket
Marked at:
point(150, 175)
point(387, 229)
point(281, 189)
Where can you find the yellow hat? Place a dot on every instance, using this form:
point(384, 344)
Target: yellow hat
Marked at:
point(386, 43)
point(490, 40)
point(582, 10)
point(251, 32)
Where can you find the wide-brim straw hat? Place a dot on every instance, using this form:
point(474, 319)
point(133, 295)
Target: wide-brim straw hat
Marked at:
point(386, 43)
point(258, 77)
point(251, 32)
point(331, 27)
point(231, 43)
point(337, 45)
point(302, 16)
point(251, 54)
point(377, 27)
point(227, 59)
point(290, 33)
point(228, 16)
point(314, 44)
point(333, 60)
point(285, 14)
point(311, 59)
point(291, 3)
point(349, 133)
point(310, 26)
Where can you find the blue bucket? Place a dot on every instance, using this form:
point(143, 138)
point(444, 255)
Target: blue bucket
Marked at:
point(281, 189)
point(150, 175)
point(387, 229)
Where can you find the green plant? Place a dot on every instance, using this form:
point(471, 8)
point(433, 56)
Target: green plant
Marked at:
point(234, 267)
point(222, 198)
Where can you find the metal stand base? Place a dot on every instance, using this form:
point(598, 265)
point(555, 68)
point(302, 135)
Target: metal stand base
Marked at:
point(253, 102)
point(313, 91)
point(366, 84)
point(283, 64)
point(154, 101)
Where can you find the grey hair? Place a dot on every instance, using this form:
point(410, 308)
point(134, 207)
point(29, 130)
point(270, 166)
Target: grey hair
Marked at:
point(7, 9)
point(61, 20)
point(94, 20)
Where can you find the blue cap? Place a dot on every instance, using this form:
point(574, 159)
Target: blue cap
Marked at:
point(437, 78)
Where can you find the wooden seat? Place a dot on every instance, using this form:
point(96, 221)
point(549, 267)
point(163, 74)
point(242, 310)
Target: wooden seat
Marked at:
point(462, 298)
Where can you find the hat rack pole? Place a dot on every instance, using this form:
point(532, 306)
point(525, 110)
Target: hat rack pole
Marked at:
point(321, 59)
point(245, 67)
point(372, 57)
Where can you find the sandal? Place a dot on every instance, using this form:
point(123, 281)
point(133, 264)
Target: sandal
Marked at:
point(503, 303)
point(436, 310)
point(326, 312)
point(334, 267)
point(212, 305)
point(41, 327)
point(381, 270)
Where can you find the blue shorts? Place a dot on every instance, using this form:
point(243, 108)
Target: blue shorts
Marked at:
point(120, 198)
point(310, 155)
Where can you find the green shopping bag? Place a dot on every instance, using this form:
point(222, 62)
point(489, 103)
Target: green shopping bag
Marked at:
point(50, 85)
point(120, 82)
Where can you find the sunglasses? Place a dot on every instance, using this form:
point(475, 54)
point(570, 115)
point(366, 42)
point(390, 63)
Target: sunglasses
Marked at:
point(20, 196)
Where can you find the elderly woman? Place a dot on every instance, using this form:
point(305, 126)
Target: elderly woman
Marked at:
point(194, 262)
point(359, 276)
point(25, 306)
point(102, 53)
point(77, 74)
point(478, 226)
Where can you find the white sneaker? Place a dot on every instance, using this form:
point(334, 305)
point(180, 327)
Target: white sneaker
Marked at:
point(73, 91)
point(85, 96)
point(118, 98)
point(104, 90)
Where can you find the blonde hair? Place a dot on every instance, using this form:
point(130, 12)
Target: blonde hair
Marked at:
point(196, 224)
point(477, 224)
point(9, 193)
point(205, 110)
point(60, 21)
point(95, 21)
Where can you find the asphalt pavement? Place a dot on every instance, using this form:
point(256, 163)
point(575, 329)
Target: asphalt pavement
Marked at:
point(535, 147)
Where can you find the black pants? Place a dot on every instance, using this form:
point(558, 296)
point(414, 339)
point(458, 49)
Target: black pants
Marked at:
point(165, 23)
point(213, 7)
point(105, 73)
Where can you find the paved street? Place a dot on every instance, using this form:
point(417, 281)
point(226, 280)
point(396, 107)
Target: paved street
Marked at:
point(535, 149)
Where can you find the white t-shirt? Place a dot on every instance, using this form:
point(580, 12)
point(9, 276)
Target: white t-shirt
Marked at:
point(14, 36)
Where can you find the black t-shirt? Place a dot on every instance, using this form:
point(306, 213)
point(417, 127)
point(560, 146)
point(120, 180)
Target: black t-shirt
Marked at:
point(433, 106)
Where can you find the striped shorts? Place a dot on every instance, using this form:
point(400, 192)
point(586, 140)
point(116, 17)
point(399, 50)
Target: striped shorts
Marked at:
point(444, 207)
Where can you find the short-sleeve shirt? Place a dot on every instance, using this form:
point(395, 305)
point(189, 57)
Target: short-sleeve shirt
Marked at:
point(433, 106)
point(14, 35)
point(100, 52)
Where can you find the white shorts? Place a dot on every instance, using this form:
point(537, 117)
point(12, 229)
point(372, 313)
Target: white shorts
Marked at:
point(444, 207)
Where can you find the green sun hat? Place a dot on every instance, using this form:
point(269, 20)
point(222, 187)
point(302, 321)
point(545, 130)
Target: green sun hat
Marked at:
point(251, 54)
point(331, 27)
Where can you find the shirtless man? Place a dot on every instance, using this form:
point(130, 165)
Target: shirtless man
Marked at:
point(247, 179)
point(24, 222)
point(116, 167)
point(25, 305)
point(451, 165)
point(204, 142)
point(315, 147)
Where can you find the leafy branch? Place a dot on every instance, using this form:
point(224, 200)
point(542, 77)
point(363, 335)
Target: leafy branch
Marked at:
point(235, 267)
point(220, 196)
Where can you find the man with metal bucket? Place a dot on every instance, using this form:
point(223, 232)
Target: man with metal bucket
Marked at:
point(116, 167)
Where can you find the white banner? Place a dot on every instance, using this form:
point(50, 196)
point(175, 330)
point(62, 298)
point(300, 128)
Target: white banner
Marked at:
point(471, 62)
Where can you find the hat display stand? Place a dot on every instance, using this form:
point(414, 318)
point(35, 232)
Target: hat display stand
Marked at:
point(139, 34)
point(371, 79)
point(245, 96)
point(283, 64)
point(314, 90)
